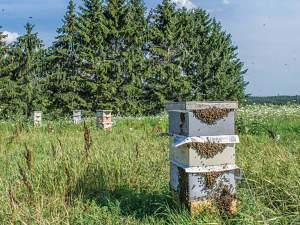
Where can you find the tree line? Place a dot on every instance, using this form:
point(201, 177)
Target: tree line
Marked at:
point(274, 100)
point(113, 54)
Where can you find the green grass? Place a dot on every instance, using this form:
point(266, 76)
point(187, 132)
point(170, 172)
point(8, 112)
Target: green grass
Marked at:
point(125, 179)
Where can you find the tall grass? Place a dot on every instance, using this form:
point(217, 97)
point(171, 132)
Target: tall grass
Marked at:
point(49, 176)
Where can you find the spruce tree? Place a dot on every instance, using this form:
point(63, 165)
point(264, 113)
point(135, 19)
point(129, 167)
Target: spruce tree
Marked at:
point(165, 80)
point(3, 47)
point(64, 83)
point(90, 41)
point(215, 72)
point(20, 90)
point(124, 54)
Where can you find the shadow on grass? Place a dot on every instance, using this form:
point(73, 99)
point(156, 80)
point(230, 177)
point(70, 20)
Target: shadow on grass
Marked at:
point(129, 199)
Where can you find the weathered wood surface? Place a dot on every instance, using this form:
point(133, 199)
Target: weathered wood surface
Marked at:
point(174, 106)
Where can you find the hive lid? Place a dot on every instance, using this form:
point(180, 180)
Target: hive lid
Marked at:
point(177, 106)
point(221, 139)
point(205, 169)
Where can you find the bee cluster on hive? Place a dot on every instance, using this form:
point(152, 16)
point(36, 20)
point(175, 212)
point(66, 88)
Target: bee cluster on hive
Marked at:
point(183, 186)
point(207, 149)
point(210, 178)
point(211, 115)
point(220, 193)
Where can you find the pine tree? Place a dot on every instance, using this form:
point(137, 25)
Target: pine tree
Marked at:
point(64, 84)
point(20, 91)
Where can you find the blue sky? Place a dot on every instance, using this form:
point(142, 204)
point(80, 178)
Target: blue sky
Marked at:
point(267, 33)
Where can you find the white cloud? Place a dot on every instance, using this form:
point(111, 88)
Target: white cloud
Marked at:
point(184, 3)
point(214, 10)
point(226, 2)
point(11, 37)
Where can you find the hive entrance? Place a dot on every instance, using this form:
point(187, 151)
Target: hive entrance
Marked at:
point(207, 149)
point(211, 115)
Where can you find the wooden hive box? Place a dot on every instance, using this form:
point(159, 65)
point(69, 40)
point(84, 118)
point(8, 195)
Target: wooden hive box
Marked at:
point(202, 118)
point(104, 119)
point(211, 150)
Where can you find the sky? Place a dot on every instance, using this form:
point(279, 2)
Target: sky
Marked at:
point(266, 32)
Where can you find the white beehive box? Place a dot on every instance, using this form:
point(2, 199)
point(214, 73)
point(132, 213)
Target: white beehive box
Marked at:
point(183, 120)
point(36, 117)
point(76, 116)
point(182, 153)
point(194, 188)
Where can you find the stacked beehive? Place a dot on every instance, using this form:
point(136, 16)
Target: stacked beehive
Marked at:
point(104, 119)
point(36, 117)
point(202, 154)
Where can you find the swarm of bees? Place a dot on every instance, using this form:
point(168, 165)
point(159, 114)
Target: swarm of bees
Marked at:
point(207, 149)
point(211, 115)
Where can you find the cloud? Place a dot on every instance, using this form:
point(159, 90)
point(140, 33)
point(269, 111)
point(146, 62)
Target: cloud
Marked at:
point(226, 2)
point(11, 36)
point(214, 10)
point(184, 3)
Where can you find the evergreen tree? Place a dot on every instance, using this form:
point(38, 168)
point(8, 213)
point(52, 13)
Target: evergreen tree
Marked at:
point(90, 40)
point(20, 91)
point(64, 84)
point(124, 54)
point(214, 70)
point(165, 80)
point(110, 40)
point(3, 47)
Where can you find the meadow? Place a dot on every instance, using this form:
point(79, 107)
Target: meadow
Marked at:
point(61, 173)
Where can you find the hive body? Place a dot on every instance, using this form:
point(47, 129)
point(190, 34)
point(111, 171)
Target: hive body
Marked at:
point(202, 153)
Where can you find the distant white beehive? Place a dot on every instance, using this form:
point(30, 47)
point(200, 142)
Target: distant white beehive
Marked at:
point(77, 116)
point(36, 117)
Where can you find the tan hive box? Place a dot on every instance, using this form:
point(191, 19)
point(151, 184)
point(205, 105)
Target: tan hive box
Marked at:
point(104, 119)
point(189, 156)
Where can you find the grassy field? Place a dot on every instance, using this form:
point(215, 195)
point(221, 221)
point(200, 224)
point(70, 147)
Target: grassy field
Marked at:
point(61, 173)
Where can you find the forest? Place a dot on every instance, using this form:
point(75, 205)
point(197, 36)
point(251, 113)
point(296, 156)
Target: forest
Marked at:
point(116, 54)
